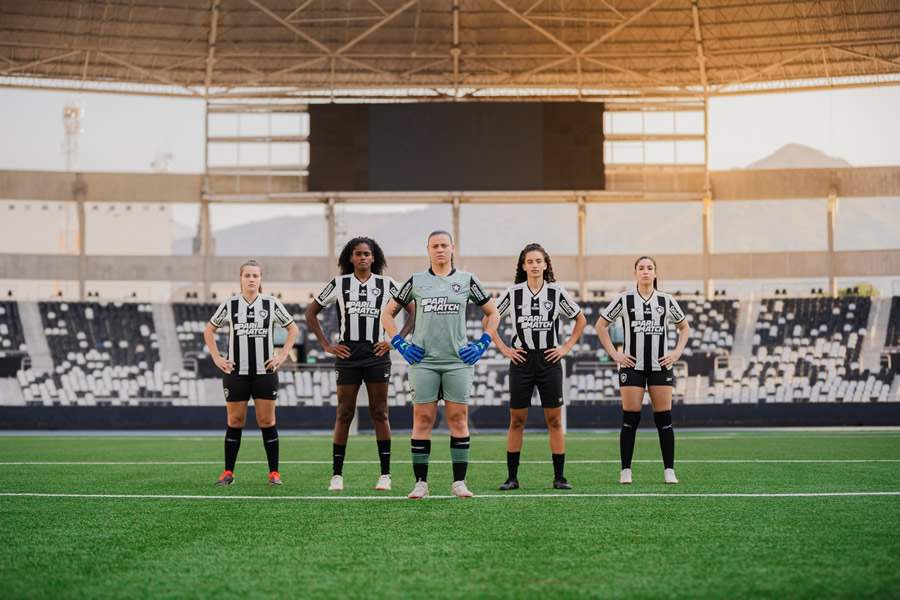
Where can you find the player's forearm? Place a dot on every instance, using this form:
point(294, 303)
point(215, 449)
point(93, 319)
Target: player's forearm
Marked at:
point(491, 323)
point(293, 333)
point(209, 336)
point(683, 334)
point(409, 323)
point(580, 323)
point(389, 324)
point(605, 340)
point(312, 321)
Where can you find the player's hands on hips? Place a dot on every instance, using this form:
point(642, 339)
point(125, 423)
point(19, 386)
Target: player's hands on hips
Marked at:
point(223, 364)
point(669, 359)
point(473, 351)
point(516, 355)
point(553, 355)
point(339, 350)
point(276, 361)
point(623, 360)
point(382, 348)
point(409, 351)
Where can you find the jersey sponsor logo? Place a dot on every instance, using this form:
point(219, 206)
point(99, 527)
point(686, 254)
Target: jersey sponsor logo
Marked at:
point(647, 328)
point(479, 294)
point(440, 305)
point(403, 295)
point(250, 330)
point(535, 323)
point(362, 309)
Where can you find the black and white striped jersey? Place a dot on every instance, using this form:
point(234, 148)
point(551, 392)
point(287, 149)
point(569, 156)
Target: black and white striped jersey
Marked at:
point(536, 316)
point(359, 305)
point(250, 343)
point(644, 324)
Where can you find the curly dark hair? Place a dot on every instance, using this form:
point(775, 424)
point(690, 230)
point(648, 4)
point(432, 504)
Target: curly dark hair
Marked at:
point(521, 275)
point(378, 264)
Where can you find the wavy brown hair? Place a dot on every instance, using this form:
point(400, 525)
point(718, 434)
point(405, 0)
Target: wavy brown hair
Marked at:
point(521, 275)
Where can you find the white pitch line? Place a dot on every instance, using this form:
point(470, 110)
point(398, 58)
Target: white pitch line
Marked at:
point(481, 496)
point(447, 462)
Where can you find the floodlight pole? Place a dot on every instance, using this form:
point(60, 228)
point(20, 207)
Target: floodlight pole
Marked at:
point(456, 203)
point(330, 223)
point(79, 192)
point(832, 222)
point(582, 248)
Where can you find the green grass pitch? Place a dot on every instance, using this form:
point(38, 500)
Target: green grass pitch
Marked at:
point(749, 519)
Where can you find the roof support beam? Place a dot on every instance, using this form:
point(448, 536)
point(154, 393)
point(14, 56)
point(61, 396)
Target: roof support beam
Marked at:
point(698, 38)
point(290, 27)
point(537, 27)
point(620, 26)
point(36, 63)
point(147, 73)
point(875, 59)
point(211, 43)
point(387, 19)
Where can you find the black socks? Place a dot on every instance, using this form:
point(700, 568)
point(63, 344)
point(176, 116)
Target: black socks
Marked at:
point(630, 422)
point(232, 445)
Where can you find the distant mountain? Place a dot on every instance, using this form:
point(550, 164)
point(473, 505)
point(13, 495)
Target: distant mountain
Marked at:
point(798, 156)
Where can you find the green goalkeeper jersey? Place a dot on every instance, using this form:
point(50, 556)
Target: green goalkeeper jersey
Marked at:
point(441, 312)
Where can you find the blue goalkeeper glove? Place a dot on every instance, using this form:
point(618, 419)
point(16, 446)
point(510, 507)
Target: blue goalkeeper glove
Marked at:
point(410, 352)
point(475, 350)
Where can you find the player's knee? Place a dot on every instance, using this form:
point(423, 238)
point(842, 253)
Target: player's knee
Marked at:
point(517, 422)
point(345, 416)
point(378, 414)
point(265, 420)
point(554, 422)
point(236, 421)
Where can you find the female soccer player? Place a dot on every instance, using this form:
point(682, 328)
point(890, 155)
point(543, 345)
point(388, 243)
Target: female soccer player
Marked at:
point(645, 360)
point(363, 355)
point(535, 304)
point(440, 355)
point(251, 364)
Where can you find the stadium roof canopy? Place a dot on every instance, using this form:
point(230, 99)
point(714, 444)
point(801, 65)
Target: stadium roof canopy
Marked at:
point(468, 49)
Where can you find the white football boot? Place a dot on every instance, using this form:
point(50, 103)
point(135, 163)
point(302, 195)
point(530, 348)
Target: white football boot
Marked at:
point(625, 476)
point(669, 476)
point(384, 483)
point(460, 490)
point(337, 484)
point(419, 491)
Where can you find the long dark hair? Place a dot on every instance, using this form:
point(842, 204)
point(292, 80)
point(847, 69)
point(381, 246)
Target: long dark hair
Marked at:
point(651, 259)
point(378, 263)
point(449, 235)
point(520, 266)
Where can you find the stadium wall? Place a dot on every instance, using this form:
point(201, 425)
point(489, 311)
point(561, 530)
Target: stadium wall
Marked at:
point(600, 416)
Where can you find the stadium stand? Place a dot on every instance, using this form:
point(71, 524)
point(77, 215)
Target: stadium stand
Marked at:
point(12, 339)
point(103, 354)
point(892, 338)
point(807, 350)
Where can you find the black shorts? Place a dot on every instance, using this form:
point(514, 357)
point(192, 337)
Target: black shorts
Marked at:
point(535, 372)
point(363, 365)
point(645, 378)
point(240, 388)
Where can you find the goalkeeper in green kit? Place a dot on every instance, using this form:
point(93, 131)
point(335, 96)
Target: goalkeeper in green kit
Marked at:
point(441, 356)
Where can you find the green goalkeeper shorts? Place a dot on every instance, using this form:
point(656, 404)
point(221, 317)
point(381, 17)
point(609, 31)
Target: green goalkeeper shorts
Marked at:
point(431, 383)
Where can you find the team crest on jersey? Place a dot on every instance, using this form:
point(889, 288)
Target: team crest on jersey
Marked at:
point(548, 305)
point(263, 314)
point(659, 310)
point(456, 288)
point(376, 292)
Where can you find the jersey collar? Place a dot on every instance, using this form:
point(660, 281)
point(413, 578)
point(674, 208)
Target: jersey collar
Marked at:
point(644, 300)
point(452, 271)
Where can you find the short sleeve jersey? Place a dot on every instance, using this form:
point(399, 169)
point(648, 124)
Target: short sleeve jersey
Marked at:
point(250, 342)
point(441, 312)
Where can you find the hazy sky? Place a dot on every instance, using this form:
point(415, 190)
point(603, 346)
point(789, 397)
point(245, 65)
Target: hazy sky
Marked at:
point(127, 133)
